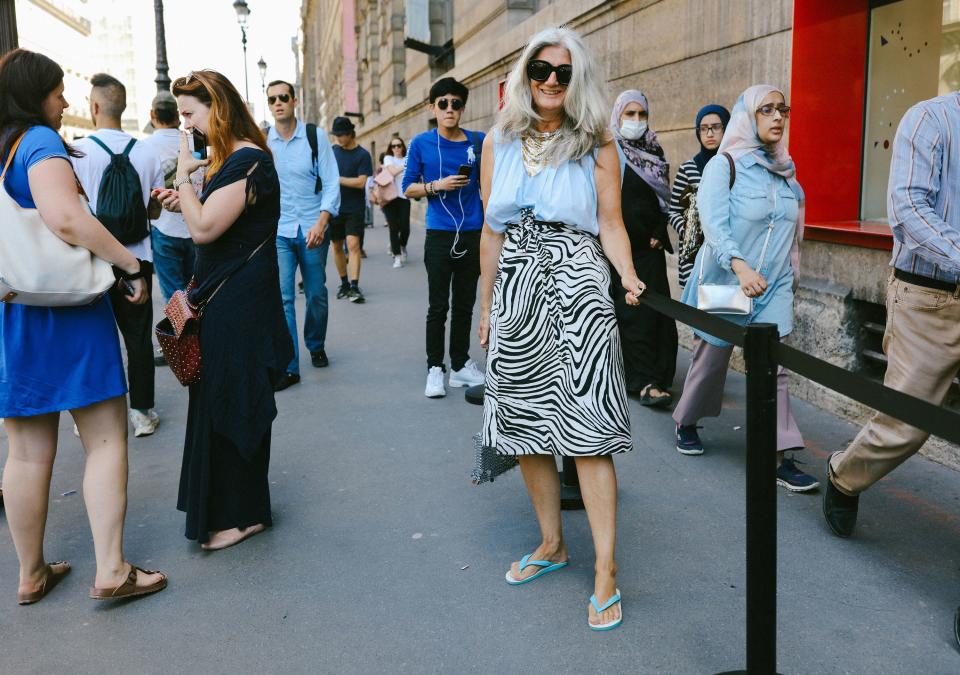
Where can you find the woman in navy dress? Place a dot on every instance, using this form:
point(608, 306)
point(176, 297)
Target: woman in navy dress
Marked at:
point(244, 343)
point(61, 358)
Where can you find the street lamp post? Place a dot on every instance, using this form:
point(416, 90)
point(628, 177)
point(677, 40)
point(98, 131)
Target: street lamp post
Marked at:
point(163, 70)
point(8, 26)
point(243, 13)
point(262, 65)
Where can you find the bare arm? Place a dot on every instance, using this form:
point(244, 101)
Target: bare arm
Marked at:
point(395, 169)
point(613, 234)
point(358, 182)
point(491, 244)
point(54, 190)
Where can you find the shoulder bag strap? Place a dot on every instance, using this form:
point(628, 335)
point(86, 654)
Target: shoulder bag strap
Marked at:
point(733, 169)
point(101, 144)
point(202, 305)
point(13, 151)
point(314, 143)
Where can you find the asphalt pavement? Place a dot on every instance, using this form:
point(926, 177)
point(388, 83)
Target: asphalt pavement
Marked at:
point(385, 559)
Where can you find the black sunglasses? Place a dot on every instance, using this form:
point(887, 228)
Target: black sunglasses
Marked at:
point(284, 98)
point(454, 103)
point(395, 145)
point(540, 71)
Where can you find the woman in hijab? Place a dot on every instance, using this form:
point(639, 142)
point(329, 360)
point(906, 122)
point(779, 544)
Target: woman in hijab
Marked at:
point(751, 211)
point(711, 122)
point(649, 338)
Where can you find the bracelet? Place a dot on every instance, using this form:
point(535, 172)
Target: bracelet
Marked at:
point(180, 182)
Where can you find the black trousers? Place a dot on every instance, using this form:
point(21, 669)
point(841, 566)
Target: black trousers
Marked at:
point(648, 338)
point(452, 284)
point(397, 214)
point(136, 327)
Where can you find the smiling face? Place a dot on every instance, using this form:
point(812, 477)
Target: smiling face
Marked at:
point(281, 110)
point(396, 147)
point(711, 131)
point(53, 106)
point(548, 96)
point(633, 112)
point(194, 113)
point(770, 129)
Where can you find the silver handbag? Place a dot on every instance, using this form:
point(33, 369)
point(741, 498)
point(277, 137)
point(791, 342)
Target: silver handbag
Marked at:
point(727, 298)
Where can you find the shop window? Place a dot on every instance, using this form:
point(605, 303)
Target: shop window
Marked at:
point(912, 56)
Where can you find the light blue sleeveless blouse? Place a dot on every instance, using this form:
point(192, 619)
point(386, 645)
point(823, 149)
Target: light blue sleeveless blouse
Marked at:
point(560, 194)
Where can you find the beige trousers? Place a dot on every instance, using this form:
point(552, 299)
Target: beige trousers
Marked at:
point(922, 344)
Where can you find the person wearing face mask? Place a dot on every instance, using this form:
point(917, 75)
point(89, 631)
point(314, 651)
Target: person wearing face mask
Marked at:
point(649, 338)
point(710, 124)
point(751, 210)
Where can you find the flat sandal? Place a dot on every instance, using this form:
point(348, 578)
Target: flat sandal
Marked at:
point(50, 579)
point(129, 588)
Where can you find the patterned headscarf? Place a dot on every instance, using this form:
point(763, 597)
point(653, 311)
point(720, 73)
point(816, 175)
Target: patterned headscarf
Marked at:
point(644, 155)
point(704, 156)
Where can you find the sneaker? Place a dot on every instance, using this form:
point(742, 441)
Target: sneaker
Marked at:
point(355, 295)
point(363, 254)
point(397, 262)
point(286, 380)
point(435, 387)
point(688, 440)
point(792, 478)
point(467, 376)
point(159, 360)
point(319, 359)
point(343, 292)
point(403, 253)
point(839, 509)
point(144, 423)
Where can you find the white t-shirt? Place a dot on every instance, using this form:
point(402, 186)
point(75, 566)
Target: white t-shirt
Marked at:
point(95, 161)
point(390, 160)
point(166, 144)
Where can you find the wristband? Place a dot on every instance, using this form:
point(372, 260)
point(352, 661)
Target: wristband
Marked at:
point(139, 274)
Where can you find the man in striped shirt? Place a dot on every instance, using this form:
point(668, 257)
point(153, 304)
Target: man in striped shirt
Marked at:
point(922, 340)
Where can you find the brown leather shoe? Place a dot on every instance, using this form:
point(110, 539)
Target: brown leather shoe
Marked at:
point(51, 578)
point(129, 588)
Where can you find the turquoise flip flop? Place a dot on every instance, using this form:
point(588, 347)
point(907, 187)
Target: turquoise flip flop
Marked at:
point(607, 605)
point(526, 562)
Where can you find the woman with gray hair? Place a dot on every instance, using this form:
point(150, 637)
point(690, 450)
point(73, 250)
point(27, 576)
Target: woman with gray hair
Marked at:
point(555, 382)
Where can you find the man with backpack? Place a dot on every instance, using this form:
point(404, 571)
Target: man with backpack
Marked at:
point(309, 198)
point(118, 173)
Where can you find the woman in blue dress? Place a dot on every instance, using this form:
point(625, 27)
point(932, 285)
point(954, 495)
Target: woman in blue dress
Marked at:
point(751, 213)
point(61, 358)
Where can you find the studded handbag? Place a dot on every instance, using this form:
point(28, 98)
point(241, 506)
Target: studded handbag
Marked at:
point(487, 463)
point(178, 333)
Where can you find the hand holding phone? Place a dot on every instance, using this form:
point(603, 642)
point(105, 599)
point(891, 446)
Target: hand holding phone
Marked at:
point(465, 170)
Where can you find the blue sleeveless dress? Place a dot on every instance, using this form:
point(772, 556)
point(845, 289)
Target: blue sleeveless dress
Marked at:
point(53, 358)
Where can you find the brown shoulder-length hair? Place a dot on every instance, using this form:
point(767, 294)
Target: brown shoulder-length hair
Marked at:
point(26, 79)
point(230, 120)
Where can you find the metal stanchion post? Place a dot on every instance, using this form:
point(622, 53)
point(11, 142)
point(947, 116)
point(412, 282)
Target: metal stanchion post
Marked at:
point(761, 498)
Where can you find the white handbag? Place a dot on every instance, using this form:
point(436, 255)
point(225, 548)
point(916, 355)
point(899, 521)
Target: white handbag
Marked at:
point(39, 268)
point(727, 298)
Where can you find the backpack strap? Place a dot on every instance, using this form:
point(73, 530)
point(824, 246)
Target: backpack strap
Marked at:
point(103, 145)
point(126, 150)
point(733, 169)
point(314, 154)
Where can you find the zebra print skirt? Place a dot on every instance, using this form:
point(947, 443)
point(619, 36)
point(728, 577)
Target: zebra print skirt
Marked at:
point(555, 383)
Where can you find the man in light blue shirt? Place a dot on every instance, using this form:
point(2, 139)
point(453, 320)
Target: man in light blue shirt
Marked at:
point(922, 339)
point(309, 198)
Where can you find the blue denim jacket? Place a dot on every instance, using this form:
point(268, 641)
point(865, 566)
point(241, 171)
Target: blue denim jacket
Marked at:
point(735, 224)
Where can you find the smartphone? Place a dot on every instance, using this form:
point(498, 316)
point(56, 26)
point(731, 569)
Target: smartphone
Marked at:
point(465, 170)
point(127, 288)
point(199, 145)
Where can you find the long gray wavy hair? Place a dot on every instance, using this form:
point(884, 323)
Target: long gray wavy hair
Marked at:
point(585, 123)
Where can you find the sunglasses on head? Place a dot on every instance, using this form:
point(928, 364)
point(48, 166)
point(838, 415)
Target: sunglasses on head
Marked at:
point(540, 71)
point(284, 98)
point(454, 103)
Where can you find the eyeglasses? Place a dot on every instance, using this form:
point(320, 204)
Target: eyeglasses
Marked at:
point(540, 71)
point(769, 109)
point(394, 146)
point(710, 128)
point(454, 103)
point(284, 98)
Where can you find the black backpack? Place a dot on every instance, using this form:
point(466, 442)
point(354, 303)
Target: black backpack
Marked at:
point(120, 204)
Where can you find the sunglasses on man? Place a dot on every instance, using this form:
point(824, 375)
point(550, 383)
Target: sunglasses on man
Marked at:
point(284, 98)
point(540, 71)
point(454, 103)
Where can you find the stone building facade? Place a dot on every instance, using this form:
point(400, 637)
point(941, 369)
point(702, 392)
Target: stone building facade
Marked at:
point(849, 69)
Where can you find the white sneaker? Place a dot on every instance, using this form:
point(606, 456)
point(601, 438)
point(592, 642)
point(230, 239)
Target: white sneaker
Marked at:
point(397, 262)
point(435, 388)
point(144, 424)
point(403, 253)
point(468, 376)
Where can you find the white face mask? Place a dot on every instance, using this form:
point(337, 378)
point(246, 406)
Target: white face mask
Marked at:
point(633, 129)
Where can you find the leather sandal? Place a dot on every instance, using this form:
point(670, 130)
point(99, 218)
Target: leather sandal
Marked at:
point(50, 579)
point(129, 588)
